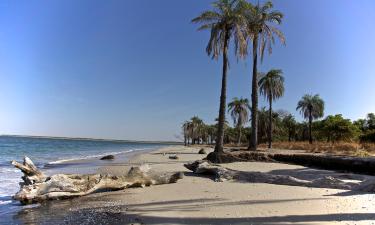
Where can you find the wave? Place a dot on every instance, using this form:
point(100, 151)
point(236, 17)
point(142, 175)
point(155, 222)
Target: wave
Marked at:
point(60, 161)
point(8, 169)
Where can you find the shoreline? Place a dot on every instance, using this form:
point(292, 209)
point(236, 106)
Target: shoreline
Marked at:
point(90, 139)
point(201, 200)
point(87, 165)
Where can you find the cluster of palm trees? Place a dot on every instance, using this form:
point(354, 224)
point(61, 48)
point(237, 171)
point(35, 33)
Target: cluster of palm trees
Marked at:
point(281, 122)
point(195, 131)
point(247, 25)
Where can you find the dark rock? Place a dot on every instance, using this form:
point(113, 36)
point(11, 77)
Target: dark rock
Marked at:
point(108, 157)
point(202, 151)
point(173, 157)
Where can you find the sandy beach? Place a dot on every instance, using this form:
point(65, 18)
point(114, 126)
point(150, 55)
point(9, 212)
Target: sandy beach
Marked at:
point(201, 200)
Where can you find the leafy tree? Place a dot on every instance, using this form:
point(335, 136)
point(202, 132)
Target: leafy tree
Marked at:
point(291, 125)
point(336, 128)
point(264, 123)
point(271, 86)
point(370, 121)
point(360, 124)
point(225, 21)
point(261, 31)
point(368, 136)
point(311, 107)
point(368, 128)
point(239, 111)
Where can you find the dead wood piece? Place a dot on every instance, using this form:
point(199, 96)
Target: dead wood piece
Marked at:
point(222, 174)
point(37, 187)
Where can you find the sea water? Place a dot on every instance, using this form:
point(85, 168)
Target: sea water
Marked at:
point(49, 154)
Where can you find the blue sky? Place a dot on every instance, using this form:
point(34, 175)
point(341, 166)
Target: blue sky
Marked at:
point(137, 69)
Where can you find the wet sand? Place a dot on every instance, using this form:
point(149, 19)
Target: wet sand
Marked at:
point(201, 200)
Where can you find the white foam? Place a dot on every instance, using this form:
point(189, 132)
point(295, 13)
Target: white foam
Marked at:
point(10, 177)
point(5, 202)
point(95, 156)
point(9, 170)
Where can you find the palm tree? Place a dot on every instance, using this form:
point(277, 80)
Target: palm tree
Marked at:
point(196, 124)
point(225, 21)
point(311, 107)
point(261, 31)
point(271, 86)
point(239, 111)
point(185, 131)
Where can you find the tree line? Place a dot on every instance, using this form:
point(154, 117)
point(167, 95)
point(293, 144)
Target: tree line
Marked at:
point(332, 129)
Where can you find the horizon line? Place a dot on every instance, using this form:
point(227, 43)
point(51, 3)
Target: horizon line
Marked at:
point(88, 139)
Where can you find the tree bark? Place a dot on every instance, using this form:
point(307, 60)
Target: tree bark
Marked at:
point(239, 135)
point(254, 98)
point(220, 132)
point(310, 127)
point(270, 124)
point(38, 188)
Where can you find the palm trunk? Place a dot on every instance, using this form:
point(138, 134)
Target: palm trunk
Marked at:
point(270, 124)
point(220, 132)
point(254, 98)
point(239, 135)
point(310, 128)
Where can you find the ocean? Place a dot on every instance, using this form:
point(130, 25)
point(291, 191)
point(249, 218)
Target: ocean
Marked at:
point(54, 155)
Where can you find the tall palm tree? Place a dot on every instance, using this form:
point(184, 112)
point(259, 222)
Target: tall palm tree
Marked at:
point(311, 107)
point(225, 21)
point(261, 31)
point(271, 86)
point(239, 111)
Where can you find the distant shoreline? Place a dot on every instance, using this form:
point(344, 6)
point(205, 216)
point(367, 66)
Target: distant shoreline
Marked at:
point(91, 139)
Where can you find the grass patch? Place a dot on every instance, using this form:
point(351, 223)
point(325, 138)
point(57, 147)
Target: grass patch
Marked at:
point(341, 148)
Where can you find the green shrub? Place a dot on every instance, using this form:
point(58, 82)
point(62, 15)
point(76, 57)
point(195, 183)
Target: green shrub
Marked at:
point(368, 137)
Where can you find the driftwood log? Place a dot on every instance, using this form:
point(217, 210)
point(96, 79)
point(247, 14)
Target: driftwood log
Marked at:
point(221, 174)
point(37, 187)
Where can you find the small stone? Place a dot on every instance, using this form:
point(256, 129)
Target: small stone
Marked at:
point(202, 151)
point(108, 157)
point(173, 157)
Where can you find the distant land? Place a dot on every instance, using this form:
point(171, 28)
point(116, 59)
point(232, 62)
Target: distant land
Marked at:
point(91, 139)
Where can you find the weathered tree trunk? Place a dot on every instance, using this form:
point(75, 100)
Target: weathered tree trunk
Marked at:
point(38, 188)
point(310, 127)
point(223, 95)
point(253, 142)
point(221, 174)
point(270, 122)
point(239, 135)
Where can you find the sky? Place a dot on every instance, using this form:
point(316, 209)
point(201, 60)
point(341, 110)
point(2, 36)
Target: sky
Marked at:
point(136, 69)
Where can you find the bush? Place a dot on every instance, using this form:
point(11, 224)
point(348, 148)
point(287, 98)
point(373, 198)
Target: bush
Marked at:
point(336, 128)
point(368, 137)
